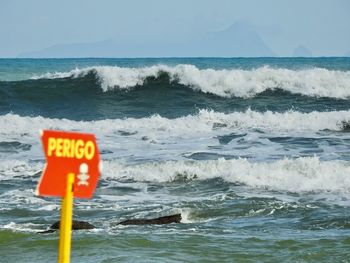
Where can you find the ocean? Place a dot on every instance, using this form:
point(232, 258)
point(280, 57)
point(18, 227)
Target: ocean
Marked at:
point(253, 152)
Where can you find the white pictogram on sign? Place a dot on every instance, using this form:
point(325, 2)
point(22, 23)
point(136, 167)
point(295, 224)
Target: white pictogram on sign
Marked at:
point(83, 175)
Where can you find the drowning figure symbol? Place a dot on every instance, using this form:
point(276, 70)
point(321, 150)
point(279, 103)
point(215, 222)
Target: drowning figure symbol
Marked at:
point(83, 175)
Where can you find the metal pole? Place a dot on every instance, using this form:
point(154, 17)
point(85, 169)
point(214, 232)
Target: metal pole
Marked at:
point(66, 221)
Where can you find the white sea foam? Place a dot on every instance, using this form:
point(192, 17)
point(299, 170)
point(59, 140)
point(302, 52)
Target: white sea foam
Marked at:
point(317, 82)
point(159, 138)
point(206, 121)
point(295, 175)
point(17, 168)
point(24, 227)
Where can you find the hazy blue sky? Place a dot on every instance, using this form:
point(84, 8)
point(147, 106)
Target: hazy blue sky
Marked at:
point(323, 26)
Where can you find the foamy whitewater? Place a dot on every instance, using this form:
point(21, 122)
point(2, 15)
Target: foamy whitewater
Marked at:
point(225, 83)
point(254, 153)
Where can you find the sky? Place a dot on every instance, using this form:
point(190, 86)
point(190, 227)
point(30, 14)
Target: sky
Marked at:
point(322, 26)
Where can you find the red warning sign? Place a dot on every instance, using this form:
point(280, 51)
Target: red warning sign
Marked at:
point(69, 152)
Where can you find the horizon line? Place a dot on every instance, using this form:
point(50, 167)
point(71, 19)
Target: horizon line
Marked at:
point(177, 57)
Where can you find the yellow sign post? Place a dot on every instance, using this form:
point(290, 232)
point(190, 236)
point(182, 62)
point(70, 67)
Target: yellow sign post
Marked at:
point(72, 170)
point(66, 222)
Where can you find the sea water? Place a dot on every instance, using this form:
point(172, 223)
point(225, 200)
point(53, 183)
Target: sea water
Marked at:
point(253, 152)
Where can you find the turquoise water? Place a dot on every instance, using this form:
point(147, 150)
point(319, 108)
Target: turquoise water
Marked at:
point(254, 154)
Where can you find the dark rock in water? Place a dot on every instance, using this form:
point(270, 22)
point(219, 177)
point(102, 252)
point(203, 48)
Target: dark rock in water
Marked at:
point(76, 225)
point(155, 221)
point(80, 225)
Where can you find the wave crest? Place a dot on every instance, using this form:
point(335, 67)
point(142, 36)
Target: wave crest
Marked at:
point(298, 175)
point(205, 121)
point(304, 174)
point(315, 82)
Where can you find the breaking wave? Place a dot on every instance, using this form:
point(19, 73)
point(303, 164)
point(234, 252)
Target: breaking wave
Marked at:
point(302, 174)
point(316, 82)
point(203, 122)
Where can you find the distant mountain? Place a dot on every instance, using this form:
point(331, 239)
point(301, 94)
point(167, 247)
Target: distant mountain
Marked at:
point(302, 51)
point(108, 48)
point(98, 49)
point(239, 40)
